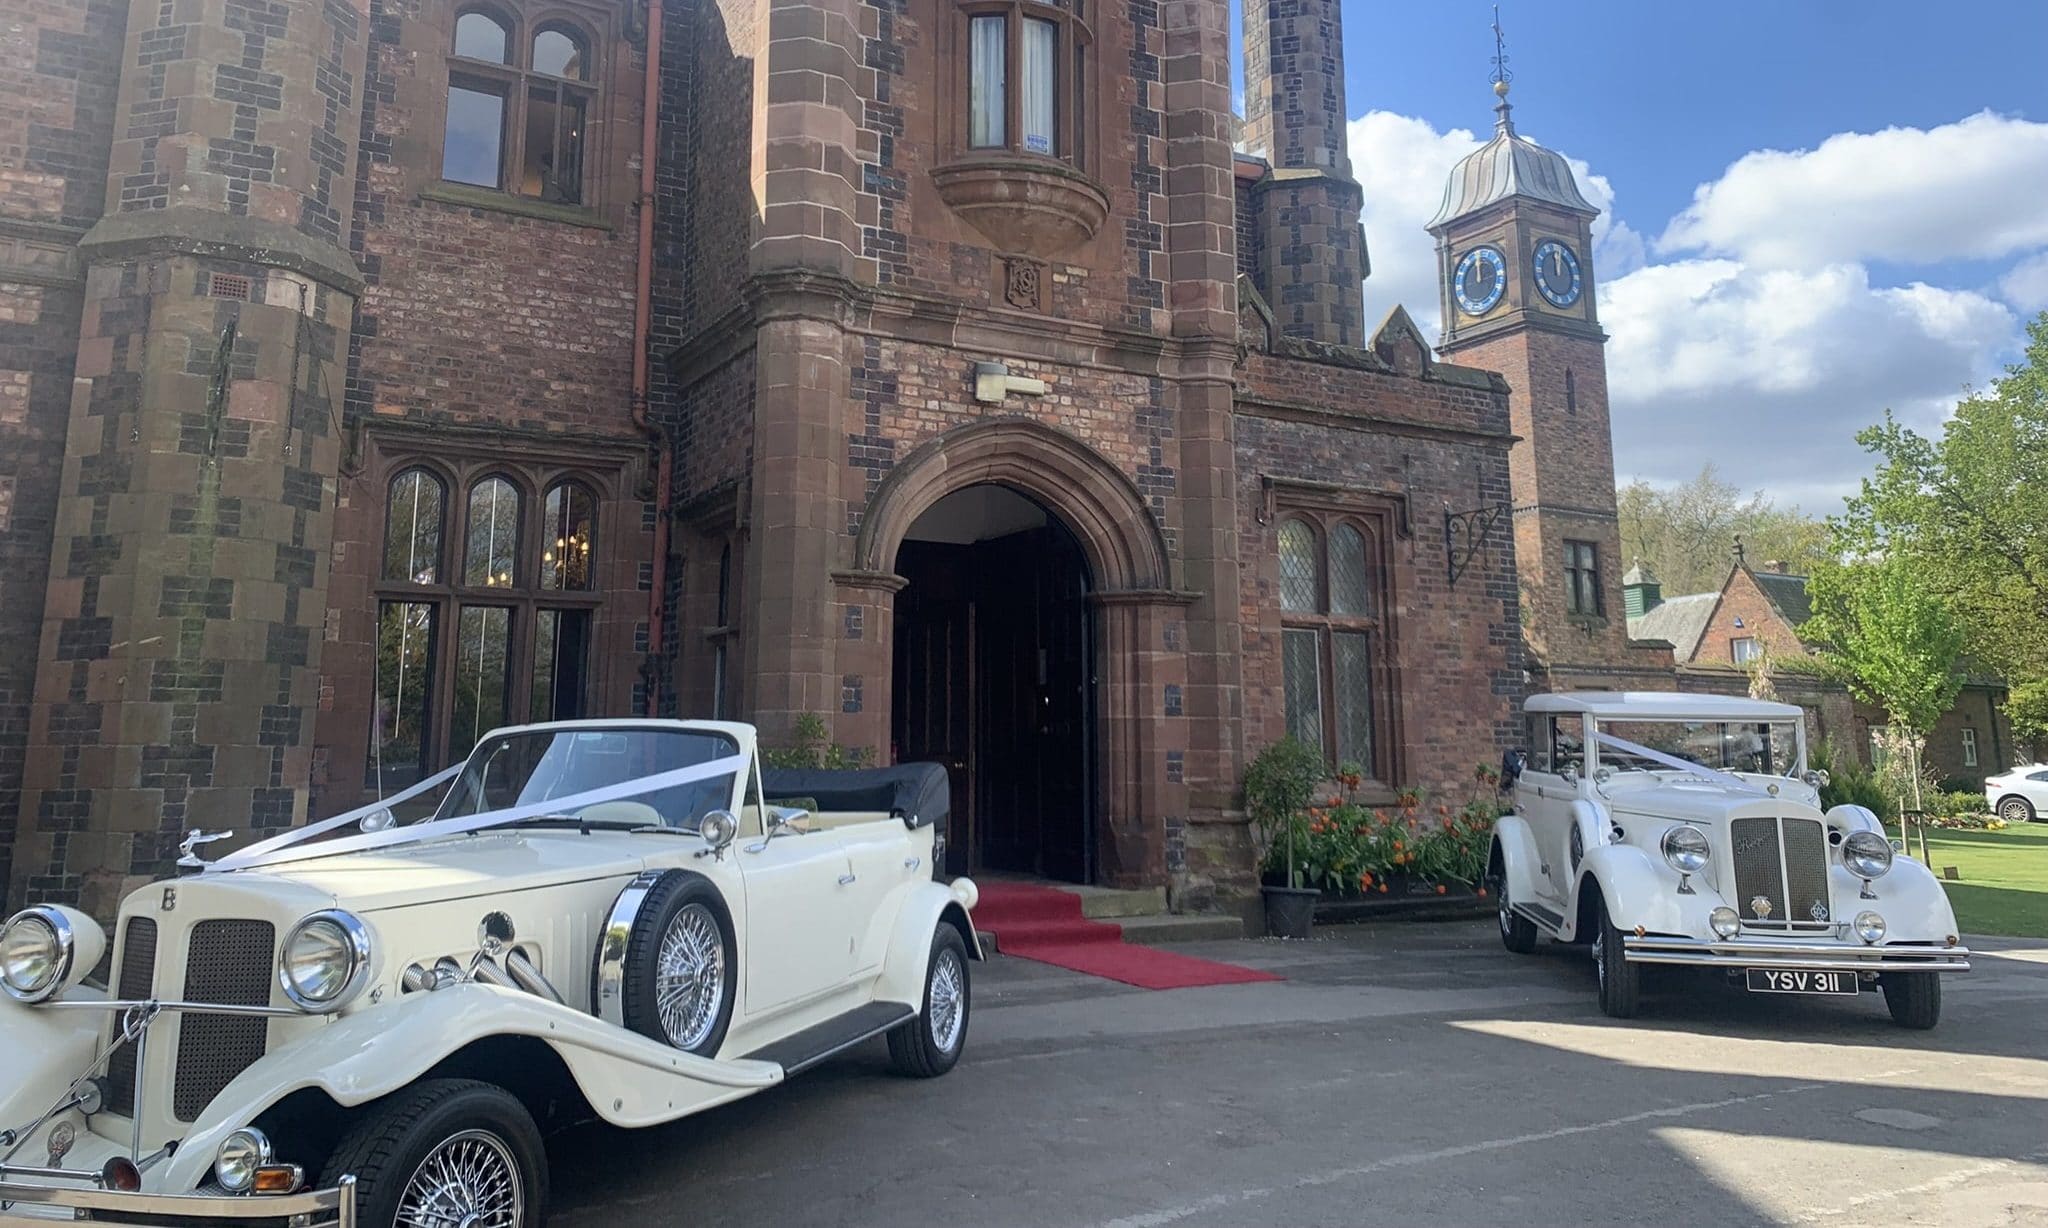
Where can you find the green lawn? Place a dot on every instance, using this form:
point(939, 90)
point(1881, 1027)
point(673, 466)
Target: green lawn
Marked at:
point(2002, 886)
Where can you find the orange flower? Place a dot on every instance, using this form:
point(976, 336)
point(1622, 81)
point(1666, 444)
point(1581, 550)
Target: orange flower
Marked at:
point(1482, 893)
point(1441, 889)
point(1383, 888)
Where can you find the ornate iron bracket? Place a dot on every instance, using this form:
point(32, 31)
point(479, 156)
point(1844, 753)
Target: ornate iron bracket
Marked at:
point(1466, 534)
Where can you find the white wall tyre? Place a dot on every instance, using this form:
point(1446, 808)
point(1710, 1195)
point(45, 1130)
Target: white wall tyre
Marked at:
point(444, 1152)
point(681, 966)
point(929, 1045)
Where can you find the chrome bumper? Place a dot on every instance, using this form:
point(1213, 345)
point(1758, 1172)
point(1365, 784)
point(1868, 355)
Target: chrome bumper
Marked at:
point(37, 1206)
point(1804, 956)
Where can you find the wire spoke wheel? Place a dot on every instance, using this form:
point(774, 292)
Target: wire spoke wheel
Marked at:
point(949, 984)
point(468, 1180)
point(689, 977)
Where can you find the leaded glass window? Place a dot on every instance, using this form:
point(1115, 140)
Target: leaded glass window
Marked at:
point(1334, 679)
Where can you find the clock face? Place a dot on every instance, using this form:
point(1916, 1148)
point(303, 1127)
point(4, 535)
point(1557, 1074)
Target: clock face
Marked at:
point(1557, 273)
point(1480, 279)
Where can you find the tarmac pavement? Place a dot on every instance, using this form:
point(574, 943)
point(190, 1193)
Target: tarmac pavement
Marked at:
point(1401, 1074)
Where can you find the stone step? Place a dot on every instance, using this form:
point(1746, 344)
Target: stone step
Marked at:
point(1114, 904)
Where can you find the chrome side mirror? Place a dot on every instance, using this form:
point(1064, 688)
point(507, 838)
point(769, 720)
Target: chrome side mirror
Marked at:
point(718, 827)
point(379, 820)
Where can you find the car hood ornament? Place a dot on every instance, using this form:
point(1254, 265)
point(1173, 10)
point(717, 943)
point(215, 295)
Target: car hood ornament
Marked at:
point(1760, 906)
point(188, 848)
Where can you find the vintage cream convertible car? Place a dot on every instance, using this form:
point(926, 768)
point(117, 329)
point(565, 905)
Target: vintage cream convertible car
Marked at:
point(370, 1021)
point(1686, 829)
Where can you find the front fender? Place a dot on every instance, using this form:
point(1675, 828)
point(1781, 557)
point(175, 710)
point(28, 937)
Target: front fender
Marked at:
point(928, 906)
point(628, 1079)
point(1636, 890)
point(50, 1048)
point(1520, 860)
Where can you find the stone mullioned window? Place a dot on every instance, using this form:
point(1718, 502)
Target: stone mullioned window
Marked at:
point(521, 97)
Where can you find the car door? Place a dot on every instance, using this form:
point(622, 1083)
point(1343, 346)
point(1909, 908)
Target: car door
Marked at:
point(881, 859)
point(802, 923)
point(1546, 791)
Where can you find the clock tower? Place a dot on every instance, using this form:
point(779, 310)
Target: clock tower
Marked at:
point(1514, 250)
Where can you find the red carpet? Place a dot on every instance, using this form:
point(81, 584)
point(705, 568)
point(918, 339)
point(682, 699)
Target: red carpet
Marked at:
point(1045, 924)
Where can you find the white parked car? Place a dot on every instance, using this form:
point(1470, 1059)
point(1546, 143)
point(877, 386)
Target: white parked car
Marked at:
point(2018, 796)
point(1685, 829)
point(370, 1022)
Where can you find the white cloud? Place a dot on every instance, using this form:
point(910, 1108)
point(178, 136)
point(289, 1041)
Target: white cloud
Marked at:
point(1770, 372)
point(2026, 285)
point(1970, 190)
point(1765, 366)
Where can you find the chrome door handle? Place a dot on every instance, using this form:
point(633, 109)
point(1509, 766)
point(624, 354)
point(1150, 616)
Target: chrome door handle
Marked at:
point(911, 863)
point(845, 879)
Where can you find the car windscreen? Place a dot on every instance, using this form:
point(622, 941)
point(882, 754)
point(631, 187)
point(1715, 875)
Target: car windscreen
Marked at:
point(1765, 748)
point(537, 766)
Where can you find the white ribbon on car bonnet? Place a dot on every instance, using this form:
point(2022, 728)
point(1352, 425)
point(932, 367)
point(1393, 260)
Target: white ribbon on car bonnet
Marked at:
point(1726, 780)
point(295, 846)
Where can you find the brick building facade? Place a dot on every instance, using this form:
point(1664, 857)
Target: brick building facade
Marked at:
point(374, 372)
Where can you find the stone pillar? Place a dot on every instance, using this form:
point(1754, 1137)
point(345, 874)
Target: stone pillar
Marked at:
point(1139, 756)
point(179, 663)
point(1313, 261)
point(866, 617)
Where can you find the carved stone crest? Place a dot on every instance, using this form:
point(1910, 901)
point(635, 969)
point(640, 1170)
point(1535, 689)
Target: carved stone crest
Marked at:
point(1023, 283)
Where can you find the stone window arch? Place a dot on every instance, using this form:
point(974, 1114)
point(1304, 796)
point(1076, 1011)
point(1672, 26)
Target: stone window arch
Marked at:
point(521, 95)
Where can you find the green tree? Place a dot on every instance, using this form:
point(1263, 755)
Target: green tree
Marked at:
point(1892, 638)
point(1687, 532)
point(1969, 510)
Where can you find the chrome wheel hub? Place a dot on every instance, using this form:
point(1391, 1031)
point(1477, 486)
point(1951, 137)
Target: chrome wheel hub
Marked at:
point(947, 1014)
point(689, 977)
point(468, 1180)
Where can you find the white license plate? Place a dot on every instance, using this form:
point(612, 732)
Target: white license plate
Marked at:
point(1795, 980)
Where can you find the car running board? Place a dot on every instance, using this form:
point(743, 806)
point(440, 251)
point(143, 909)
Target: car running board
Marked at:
point(1547, 918)
point(836, 1035)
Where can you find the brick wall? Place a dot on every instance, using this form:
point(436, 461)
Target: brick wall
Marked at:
point(1456, 648)
point(59, 72)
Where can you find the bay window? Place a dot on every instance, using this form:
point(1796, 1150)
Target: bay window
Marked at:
point(1026, 66)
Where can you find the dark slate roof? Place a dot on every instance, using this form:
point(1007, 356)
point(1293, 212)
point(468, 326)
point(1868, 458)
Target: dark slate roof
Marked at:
point(1786, 593)
point(1679, 620)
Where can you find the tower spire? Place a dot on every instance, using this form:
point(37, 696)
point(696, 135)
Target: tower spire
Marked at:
point(1501, 79)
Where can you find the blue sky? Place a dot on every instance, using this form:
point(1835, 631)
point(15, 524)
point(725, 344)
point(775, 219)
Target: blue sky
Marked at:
point(1814, 211)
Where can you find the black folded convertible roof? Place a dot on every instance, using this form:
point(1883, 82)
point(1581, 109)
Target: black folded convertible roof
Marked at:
point(918, 793)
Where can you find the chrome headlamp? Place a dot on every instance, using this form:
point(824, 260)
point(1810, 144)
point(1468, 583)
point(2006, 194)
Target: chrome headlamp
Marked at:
point(1867, 854)
point(46, 949)
point(239, 1156)
point(1686, 849)
point(324, 961)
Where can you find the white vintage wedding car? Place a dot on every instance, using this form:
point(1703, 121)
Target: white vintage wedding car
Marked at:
point(1686, 829)
point(370, 1021)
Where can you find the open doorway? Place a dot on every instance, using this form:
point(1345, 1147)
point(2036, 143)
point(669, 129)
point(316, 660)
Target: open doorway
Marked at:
point(993, 677)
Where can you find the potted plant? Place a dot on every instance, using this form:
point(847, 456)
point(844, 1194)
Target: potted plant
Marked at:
point(1278, 788)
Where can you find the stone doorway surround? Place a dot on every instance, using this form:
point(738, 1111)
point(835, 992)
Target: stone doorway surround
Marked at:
point(1141, 730)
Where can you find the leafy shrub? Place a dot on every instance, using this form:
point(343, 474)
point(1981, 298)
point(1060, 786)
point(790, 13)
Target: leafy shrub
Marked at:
point(1850, 783)
point(1278, 787)
point(1349, 849)
point(809, 748)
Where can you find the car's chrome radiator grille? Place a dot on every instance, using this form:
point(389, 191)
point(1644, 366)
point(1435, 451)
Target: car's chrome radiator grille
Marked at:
point(1781, 873)
point(135, 981)
point(227, 962)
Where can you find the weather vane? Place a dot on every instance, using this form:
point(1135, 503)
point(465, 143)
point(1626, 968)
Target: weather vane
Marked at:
point(1501, 75)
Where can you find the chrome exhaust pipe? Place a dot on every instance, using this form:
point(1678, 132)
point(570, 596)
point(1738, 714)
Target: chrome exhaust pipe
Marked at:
point(529, 977)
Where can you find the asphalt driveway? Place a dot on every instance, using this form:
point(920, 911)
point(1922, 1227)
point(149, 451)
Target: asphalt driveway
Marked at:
point(1401, 1074)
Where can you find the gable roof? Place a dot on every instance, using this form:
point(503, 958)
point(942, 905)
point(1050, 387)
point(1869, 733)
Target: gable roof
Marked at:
point(1679, 620)
point(1787, 595)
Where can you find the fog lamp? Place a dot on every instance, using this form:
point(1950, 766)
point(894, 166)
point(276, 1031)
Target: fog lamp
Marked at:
point(1869, 927)
point(1726, 924)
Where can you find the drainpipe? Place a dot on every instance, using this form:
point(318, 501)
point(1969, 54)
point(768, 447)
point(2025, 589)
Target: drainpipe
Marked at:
point(643, 310)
